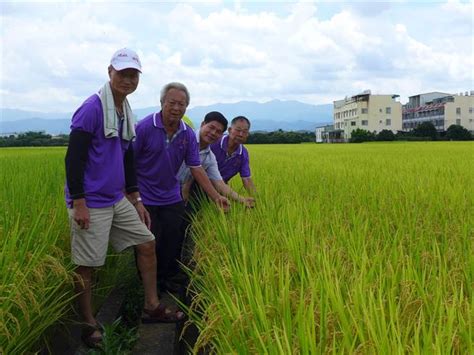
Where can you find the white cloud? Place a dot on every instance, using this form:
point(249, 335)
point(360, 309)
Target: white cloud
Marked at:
point(55, 55)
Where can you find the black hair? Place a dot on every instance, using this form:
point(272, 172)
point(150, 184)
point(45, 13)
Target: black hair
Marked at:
point(240, 118)
point(216, 116)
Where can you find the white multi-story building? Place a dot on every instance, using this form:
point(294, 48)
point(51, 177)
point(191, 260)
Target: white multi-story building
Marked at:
point(327, 134)
point(441, 109)
point(372, 113)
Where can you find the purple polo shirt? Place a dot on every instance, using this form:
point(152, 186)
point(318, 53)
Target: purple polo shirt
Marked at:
point(159, 159)
point(104, 174)
point(229, 166)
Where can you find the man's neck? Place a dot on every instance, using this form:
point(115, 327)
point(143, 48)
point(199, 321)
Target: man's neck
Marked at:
point(170, 127)
point(118, 102)
point(202, 145)
point(232, 146)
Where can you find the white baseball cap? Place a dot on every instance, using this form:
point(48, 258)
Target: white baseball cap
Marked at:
point(126, 58)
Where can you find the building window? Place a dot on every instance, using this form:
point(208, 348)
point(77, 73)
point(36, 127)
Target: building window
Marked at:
point(458, 110)
point(364, 110)
point(458, 121)
point(388, 122)
point(365, 122)
point(470, 109)
point(353, 123)
point(388, 110)
point(380, 110)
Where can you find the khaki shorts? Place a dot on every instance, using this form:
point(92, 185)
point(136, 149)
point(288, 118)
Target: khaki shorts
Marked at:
point(119, 223)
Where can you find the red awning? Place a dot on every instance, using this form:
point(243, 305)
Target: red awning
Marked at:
point(424, 108)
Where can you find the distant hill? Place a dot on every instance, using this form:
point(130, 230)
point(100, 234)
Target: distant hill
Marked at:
point(7, 114)
point(268, 116)
point(56, 126)
point(276, 110)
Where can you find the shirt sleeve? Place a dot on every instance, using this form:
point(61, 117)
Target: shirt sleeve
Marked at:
point(131, 184)
point(245, 166)
point(76, 159)
point(184, 174)
point(192, 154)
point(212, 169)
point(87, 117)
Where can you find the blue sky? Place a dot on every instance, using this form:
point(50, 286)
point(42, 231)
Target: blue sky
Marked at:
point(55, 54)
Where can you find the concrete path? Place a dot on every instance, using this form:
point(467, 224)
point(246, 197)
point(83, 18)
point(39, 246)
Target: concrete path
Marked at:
point(157, 338)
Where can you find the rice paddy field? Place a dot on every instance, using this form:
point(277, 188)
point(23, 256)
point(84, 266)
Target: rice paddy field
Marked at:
point(36, 286)
point(351, 249)
point(364, 249)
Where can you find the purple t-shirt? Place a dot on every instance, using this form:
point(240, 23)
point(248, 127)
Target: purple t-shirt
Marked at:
point(104, 174)
point(159, 159)
point(229, 166)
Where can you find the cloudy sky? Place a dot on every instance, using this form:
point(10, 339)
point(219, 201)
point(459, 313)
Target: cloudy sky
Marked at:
point(55, 54)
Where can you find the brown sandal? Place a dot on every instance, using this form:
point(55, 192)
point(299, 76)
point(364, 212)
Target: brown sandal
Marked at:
point(91, 341)
point(161, 314)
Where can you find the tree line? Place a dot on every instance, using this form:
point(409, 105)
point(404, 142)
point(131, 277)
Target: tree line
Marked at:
point(34, 139)
point(280, 137)
point(38, 139)
point(426, 131)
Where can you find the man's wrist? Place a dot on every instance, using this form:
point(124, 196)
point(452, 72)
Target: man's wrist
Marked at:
point(137, 201)
point(80, 202)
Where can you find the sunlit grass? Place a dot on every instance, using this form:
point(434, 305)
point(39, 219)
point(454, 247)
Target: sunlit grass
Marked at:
point(351, 248)
point(36, 289)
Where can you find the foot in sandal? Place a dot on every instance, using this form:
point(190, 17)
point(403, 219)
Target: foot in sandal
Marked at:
point(161, 314)
point(92, 335)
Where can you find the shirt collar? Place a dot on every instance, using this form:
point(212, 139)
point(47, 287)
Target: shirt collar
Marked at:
point(225, 143)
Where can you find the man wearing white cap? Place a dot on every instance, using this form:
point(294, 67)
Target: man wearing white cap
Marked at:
point(102, 192)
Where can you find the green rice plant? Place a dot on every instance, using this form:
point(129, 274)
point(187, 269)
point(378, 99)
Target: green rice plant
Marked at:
point(35, 276)
point(36, 287)
point(350, 249)
point(117, 339)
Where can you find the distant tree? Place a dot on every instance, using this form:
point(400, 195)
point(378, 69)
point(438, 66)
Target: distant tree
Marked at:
point(458, 133)
point(385, 135)
point(426, 129)
point(361, 135)
point(33, 139)
point(409, 137)
point(280, 137)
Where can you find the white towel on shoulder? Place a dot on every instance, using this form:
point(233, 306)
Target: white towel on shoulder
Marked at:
point(111, 119)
